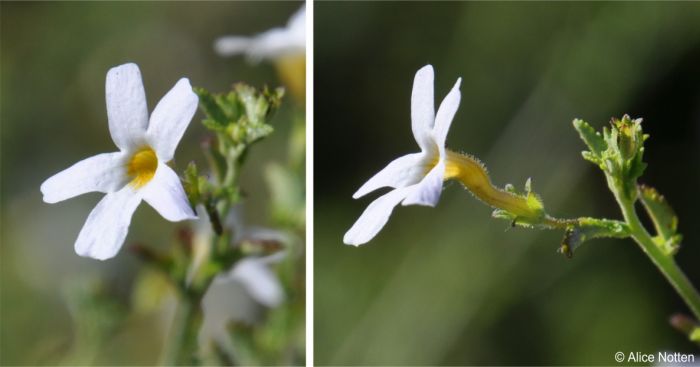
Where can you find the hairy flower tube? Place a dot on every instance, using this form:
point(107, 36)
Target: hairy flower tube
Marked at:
point(417, 178)
point(138, 171)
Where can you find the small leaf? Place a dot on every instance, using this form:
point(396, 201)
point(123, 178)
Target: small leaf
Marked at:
point(664, 219)
point(591, 157)
point(208, 104)
point(636, 166)
point(191, 183)
point(213, 125)
point(592, 138)
point(590, 228)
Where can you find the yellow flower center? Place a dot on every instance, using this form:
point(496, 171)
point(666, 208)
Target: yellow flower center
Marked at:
point(142, 167)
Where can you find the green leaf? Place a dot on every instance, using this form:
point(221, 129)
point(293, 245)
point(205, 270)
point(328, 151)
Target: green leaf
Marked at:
point(591, 157)
point(191, 183)
point(258, 105)
point(590, 228)
point(636, 166)
point(592, 138)
point(664, 219)
point(214, 125)
point(209, 105)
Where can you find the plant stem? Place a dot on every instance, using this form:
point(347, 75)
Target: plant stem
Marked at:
point(182, 345)
point(665, 263)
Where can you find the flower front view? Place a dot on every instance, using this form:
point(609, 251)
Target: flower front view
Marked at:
point(416, 178)
point(138, 171)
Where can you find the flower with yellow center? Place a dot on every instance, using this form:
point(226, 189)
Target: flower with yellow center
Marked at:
point(416, 178)
point(138, 171)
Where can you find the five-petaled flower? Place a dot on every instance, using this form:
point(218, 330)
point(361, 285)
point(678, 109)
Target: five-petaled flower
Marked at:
point(416, 178)
point(138, 171)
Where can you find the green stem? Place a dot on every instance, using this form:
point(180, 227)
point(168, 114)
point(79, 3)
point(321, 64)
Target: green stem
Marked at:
point(665, 263)
point(181, 349)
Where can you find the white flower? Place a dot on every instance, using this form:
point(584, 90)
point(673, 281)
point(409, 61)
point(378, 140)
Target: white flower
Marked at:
point(272, 44)
point(138, 171)
point(238, 293)
point(416, 178)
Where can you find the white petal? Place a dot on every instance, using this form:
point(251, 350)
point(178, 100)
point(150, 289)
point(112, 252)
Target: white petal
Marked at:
point(427, 192)
point(375, 217)
point(401, 172)
point(167, 196)
point(127, 111)
point(297, 22)
point(103, 172)
point(231, 45)
point(170, 119)
point(445, 114)
point(105, 229)
point(275, 43)
point(423, 107)
point(271, 44)
point(259, 281)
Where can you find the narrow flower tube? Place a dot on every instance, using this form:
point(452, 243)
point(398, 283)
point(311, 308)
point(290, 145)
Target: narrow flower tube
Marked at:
point(418, 178)
point(473, 175)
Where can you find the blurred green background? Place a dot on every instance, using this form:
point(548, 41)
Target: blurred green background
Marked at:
point(449, 285)
point(55, 306)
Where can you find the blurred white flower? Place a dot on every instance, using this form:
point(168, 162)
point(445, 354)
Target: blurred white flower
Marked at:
point(416, 178)
point(238, 293)
point(272, 44)
point(237, 296)
point(138, 171)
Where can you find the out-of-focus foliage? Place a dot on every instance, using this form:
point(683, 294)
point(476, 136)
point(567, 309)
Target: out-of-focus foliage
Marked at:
point(59, 308)
point(450, 285)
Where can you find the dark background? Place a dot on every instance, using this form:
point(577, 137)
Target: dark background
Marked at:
point(450, 285)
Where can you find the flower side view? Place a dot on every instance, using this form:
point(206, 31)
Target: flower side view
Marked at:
point(138, 171)
point(416, 178)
